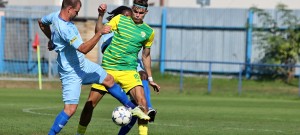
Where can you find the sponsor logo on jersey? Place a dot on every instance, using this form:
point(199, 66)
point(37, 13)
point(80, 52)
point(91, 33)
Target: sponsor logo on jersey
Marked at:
point(143, 34)
point(72, 40)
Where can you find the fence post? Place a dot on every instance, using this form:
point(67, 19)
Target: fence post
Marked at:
point(181, 78)
point(2, 44)
point(240, 80)
point(163, 40)
point(30, 62)
point(299, 86)
point(209, 78)
point(249, 44)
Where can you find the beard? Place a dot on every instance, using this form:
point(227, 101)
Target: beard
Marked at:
point(72, 18)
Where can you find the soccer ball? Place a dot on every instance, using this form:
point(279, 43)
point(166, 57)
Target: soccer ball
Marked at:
point(121, 116)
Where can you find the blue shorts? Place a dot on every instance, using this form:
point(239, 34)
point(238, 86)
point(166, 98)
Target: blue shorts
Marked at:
point(71, 83)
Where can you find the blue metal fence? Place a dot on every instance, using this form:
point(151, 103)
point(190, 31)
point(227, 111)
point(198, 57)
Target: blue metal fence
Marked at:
point(240, 74)
point(2, 43)
point(174, 35)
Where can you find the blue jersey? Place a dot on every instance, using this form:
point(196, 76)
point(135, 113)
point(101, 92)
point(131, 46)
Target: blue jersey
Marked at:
point(66, 39)
point(140, 66)
point(105, 40)
point(74, 69)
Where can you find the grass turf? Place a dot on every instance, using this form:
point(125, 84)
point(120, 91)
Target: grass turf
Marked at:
point(31, 112)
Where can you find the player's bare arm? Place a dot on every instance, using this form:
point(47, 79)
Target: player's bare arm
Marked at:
point(146, 58)
point(45, 28)
point(90, 44)
point(101, 11)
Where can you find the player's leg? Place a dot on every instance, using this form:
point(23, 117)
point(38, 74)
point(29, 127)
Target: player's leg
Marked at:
point(151, 111)
point(116, 91)
point(71, 93)
point(138, 94)
point(100, 76)
point(125, 129)
point(86, 115)
point(144, 77)
point(147, 93)
point(132, 85)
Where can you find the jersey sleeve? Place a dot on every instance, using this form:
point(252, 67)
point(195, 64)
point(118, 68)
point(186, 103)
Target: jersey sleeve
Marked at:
point(114, 22)
point(71, 36)
point(47, 20)
point(148, 43)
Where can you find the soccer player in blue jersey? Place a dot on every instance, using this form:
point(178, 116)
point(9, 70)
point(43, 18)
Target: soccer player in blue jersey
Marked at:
point(74, 69)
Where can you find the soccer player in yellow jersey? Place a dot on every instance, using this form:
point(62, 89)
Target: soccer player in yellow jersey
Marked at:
point(120, 57)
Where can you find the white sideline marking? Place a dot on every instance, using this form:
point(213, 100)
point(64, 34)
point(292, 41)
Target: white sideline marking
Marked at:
point(251, 129)
point(171, 125)
point(32, 111)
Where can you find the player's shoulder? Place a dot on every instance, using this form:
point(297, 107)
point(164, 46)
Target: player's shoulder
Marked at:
point(53, 15)
point(148, 28)
point(49, 18)
point(117, 17)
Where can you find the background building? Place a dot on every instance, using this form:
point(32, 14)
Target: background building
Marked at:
point(293, 4)
point(210, 28)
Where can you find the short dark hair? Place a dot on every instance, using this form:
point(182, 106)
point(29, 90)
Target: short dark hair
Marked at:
point(72, 3)
point(117, 11)
point(143, 3)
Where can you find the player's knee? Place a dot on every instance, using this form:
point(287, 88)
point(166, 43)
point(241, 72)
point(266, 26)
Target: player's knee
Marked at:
point(70, 110)
point(108, 81)
point(95, 96)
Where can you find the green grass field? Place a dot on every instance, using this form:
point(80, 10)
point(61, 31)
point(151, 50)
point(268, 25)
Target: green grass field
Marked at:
point(264, 108)
point(31, 112)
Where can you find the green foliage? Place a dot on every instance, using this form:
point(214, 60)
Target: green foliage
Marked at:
point(279, 38)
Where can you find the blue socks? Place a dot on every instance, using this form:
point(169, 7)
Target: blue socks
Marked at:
point(119, 94)
point(60, 121)
point(147, 92)
point(125, 129)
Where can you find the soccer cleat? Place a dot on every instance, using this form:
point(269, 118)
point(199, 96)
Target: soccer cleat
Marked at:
point(139, 113)
point(151, 113)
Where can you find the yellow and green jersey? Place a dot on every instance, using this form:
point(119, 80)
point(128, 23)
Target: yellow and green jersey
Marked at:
point(128, 39)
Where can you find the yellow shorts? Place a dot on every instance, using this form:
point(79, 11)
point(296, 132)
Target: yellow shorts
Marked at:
point(126, 79)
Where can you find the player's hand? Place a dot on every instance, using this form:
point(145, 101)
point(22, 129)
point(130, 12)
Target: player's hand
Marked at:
point(155, 86)
point(50, 45)
point(106, 29)
point(102, 9)
point(143, 75)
